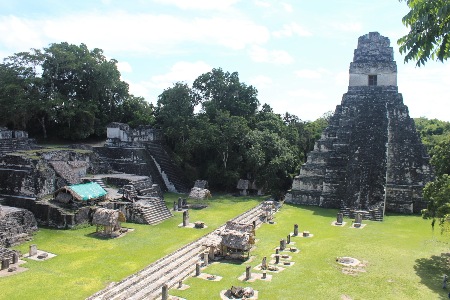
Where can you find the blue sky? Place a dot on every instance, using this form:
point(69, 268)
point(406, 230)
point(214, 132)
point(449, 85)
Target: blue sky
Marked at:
point(295, 52)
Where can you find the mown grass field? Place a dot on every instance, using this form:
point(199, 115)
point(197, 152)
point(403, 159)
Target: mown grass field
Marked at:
point(402, 254)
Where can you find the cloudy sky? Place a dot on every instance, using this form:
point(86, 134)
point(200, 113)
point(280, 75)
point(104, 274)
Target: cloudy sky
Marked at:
point(295, 52)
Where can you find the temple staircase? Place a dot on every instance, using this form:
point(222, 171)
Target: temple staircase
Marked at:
point(155, 210)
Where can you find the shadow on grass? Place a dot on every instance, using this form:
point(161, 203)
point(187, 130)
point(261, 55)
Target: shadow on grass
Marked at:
point(99, 236)
point(431, 271)
point(317, 211)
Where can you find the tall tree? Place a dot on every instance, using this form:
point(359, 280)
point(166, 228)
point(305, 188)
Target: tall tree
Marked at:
point(429, 28)
point(219, 90)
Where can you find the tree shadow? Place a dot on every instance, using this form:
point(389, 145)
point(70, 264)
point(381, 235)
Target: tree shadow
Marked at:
point(431, 271)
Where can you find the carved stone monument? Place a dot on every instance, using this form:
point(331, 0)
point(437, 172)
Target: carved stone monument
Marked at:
point(295, 229)
point(264, 263)
point(248, 272)
point(339, 219)
point(370, 156)
point(33, 250)
point(185, 218)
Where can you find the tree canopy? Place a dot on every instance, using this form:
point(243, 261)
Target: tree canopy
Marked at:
point(66, 90)
point(429, 29)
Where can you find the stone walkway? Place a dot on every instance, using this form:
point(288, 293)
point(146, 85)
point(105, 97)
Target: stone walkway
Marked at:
point(172, 268)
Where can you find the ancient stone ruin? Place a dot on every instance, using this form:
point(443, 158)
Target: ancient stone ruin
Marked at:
point(16, 226)
point(13, 140)
point(370, 157)
point(141, 151)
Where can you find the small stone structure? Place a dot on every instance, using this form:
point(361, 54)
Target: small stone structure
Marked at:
point(108, 220)
point(13, 140)
point(16, 226)
point(199, 194)
point(8, 256)
point(247, 187)
point(120, 135)
point(81, 194)
point(370, 156)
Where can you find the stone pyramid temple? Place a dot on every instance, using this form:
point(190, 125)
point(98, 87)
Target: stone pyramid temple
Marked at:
point(370, 158)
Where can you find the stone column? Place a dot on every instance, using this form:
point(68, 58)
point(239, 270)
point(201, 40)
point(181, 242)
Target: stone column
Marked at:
point(264, 275)
point(33, 250)
point(277, 251)
point(197, 269)
point(5, 264)
point(277, 259)
point(264, 263)
point(288, 239)
point(295, 229)
point(282, 244)
point(180, 203)
point(15, 258)
point(205, 258)
point(254, 224)
point(248, 272)
point(165, 292)
point(180, 284)
point(175, 206)
point(185, 218)
point(358, 218)
point(339, 218)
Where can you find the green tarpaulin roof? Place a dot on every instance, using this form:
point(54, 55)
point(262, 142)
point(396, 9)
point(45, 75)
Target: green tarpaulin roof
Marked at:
point(88, 191)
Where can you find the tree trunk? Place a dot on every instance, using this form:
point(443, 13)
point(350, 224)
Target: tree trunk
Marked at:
point(44, 129)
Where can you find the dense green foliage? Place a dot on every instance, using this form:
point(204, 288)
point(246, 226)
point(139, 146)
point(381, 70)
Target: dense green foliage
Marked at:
point(432, 132)
point(66, 91)
point(229, 138)
point(435, 135)
point(429, 29)
point(215, 128)
point(411, 269)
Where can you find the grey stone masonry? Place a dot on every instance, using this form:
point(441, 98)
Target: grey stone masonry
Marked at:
point(370, 157)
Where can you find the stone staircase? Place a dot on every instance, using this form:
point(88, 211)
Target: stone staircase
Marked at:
point(100, 182)
point(12, 145)
point(172, 175)
point(172, 268)
point(155, 211)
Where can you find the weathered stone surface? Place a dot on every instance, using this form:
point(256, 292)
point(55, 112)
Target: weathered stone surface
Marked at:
point(16, 226)
point(370, 155)
point(199, 193)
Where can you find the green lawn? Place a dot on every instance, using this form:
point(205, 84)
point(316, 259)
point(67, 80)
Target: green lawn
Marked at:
point(402, 252)
point(85, 264)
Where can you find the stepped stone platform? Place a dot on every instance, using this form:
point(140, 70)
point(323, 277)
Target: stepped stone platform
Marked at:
point(370, 157)
point(175, 267)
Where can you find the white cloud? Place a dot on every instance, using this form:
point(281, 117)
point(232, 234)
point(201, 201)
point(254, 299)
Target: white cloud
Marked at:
point(306, 94)
point(124, 67)
point(261, 81)
point(279, 57)
point(291, 29)
point(131, 33)
point(287, 7)
point(347, 26)
point(180, 72)
point(200, 4)
point(422, 95)
point(262, 3)
point(18, 34)
point(310, 74)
